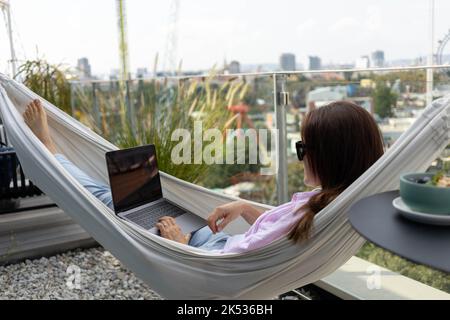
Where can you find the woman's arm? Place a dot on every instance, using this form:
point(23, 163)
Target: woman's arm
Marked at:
point(251, 213)
point(223, 215)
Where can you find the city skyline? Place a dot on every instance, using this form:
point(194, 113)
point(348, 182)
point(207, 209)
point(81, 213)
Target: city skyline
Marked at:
point(213, 32)
point(235, 67)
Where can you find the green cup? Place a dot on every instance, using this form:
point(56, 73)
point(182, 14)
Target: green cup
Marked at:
point(423, 197)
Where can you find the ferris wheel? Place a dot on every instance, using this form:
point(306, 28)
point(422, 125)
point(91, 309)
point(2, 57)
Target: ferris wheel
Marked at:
point(440, 50)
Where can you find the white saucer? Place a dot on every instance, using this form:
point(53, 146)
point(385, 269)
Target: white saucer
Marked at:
point(428, 218)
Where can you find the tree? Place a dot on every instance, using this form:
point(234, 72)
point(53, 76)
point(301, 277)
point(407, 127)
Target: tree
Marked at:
point(384, 100)
point(414, 79)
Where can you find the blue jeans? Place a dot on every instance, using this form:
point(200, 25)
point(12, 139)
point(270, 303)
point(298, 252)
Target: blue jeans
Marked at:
point(101, 191)
point(206, 240)
point(203, 238)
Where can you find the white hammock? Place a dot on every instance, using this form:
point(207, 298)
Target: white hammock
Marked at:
point(179, 271)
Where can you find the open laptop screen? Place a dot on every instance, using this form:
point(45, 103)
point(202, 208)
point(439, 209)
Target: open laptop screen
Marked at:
point(134, 177)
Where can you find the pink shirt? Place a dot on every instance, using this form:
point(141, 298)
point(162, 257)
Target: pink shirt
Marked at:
point(270, 226)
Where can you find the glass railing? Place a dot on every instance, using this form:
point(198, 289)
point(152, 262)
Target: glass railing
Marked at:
point(146, 111)
point(141, 111)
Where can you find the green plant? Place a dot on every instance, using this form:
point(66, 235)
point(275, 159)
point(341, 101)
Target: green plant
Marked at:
point(414, 80)
point(384, 100)
point(47, 80)
point(155, 108)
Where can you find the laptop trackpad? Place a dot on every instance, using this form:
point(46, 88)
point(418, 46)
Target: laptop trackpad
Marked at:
point(188, 223)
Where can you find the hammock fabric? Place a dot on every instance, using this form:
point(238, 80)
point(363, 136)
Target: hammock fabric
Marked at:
point(177, 271)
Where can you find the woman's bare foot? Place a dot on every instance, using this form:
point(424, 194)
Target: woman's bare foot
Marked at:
point(36, 118)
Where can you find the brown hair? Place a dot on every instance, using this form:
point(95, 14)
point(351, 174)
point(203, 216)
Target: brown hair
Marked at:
point(342, 141)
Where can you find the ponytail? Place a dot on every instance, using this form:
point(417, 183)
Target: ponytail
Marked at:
point(302, 230)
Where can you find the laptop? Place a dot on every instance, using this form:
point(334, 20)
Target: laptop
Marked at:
point(137, 194)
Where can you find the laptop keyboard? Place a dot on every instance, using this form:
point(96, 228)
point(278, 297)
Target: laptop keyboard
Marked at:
point(148, 217)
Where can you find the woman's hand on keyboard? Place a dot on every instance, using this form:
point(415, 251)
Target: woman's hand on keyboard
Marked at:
point(169, 229)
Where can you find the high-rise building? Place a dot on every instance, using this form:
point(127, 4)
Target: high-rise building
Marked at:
point(234, 67)
point(313, 63)
point(363, 62)
point(377, 59)
point(287, 62)
point(84, 68)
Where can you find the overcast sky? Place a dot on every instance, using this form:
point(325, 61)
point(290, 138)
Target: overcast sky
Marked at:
point(250, 31)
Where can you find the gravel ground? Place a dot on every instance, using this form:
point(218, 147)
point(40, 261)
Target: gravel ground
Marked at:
point(82, 274)
point(77, 275)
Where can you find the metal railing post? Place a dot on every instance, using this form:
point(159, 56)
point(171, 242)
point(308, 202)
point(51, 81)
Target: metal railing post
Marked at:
point(95, 106)
point(281, 100)
point(72, 98)
point(130, 108)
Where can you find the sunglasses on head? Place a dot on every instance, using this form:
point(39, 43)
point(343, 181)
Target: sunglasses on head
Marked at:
point(301, 150)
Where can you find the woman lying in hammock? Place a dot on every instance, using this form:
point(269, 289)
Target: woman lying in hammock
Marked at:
point(340, 142)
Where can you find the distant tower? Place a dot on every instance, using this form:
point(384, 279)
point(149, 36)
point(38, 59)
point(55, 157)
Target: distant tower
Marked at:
point(377, 60)
point(170, 64)
point(84, 68)
point(363, 62)
point(234, 67)
point(123, 40)
point(6, 10)
point(313, 63)
point(287, 62)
